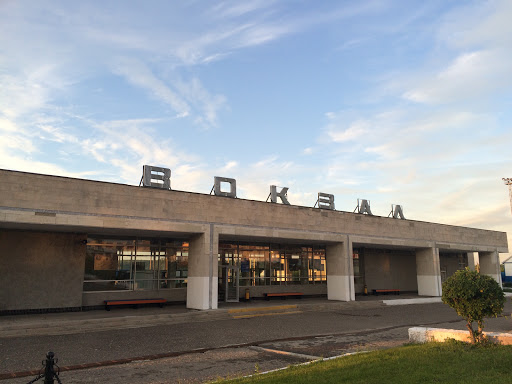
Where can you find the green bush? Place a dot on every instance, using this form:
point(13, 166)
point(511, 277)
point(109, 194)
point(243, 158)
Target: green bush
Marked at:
point(474, 297)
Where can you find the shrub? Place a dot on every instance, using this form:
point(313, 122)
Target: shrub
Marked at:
point(474, 297)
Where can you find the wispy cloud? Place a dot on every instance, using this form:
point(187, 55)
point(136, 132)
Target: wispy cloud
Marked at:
point(208, 105)
point(357, 129)
point(230, 9)
point(471, 75)
point(140, 75)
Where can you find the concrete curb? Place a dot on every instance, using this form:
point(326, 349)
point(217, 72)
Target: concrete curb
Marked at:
point(426, 300)
point(424, 335)
point(306, 363)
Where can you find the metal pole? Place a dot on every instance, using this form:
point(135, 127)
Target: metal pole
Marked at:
point(48, 369)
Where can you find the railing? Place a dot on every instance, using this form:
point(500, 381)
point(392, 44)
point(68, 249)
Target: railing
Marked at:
point(48, 370)
point(285, 280)
point(164, 284)
point(132, 285)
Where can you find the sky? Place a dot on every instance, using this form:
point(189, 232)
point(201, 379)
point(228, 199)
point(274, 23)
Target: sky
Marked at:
point(395, 101)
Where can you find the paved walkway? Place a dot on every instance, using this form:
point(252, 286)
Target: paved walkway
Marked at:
point(125, 318)
point(173, 344)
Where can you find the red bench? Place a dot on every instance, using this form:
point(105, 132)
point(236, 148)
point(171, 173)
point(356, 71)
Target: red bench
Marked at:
point(283, 295)
point(134, 302)
point(386, 291)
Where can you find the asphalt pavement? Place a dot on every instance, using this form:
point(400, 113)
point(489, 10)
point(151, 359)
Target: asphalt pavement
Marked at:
point(173, 344)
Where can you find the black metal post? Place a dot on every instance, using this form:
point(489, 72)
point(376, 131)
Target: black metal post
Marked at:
point(48, 369)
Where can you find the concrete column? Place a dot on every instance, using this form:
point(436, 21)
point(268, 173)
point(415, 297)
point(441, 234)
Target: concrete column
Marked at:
point(428, 272)
point(472, 260)
point(202, 286)
point(340, 271)
point(490, 265)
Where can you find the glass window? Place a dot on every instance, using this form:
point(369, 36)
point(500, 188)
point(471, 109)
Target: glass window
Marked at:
point(135, 264)
point(108, 264)
point(296, 265)
point(277, 270)
point(274, 264)
point(174, 266)
point(253, 265)
point(318, 272)
point(357, 258)
point(463, 260)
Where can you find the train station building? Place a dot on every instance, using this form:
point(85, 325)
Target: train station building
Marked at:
point(68, 243)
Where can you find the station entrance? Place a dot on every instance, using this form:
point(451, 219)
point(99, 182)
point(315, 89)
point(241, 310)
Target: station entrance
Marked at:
point(259, 268)
point(229, 282)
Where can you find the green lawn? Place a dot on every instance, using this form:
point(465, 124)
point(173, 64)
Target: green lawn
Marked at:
point(449, 362)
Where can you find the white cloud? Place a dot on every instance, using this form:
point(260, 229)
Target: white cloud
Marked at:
point(477, 24)
point(471, 75)
point(388, 151)
point(478, 39)
point(17, 143)
point(237, 9)
point(22, 94)
point(208, 105)
point(356, 130)
point(51, 132)
point(230, 165)
point(219, 42)
point(140, 75)
point(187, 98)
point(7, 125)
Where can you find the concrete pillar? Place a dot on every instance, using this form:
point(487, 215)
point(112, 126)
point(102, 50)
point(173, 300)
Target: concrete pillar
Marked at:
point(340, 272)
point(490, 265)
point(202, 285)
point(472, 260)
point(428, 272)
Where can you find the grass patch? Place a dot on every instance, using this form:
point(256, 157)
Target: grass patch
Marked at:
point(450, 362)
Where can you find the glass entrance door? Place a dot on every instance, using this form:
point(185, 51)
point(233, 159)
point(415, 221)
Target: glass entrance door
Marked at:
point(229, 281)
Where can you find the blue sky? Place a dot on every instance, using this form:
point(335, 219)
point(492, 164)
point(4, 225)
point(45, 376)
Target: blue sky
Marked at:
point(398, 102)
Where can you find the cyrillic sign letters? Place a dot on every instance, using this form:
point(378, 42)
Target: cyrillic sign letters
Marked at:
point(281, 194)
point(156, 177)
point(398, 213)
point(364, 207)
point(217, 186)
point(325, 201)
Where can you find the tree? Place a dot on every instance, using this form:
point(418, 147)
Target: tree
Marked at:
point(474, 297)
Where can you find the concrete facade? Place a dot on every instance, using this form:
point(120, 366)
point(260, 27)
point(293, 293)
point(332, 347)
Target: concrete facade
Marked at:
point(46, 274)
point(58, 213)
point(392, 268)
